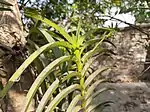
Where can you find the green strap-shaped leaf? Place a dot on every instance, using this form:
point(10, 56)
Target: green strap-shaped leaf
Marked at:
point(78, 29)
point(70, 75)
point(96, 31)
point(88, 64)
point(41, 78)
point(27, 62)
point(92, 87)
point(48, 37)
point(80, 38)
point(77, 109)
point(43, 33)
point(47, 96)
point(95, 105)
point(60, 96)
point(55, 35)
point(42, 59)
point(117, 2)
point(93, 41)
point(90, 53)
point(80, 41)
point(93, 75)
point(89, 100)
point(74, 41)
point(93, 51)
point(52, 24)
point(73, 103)
point(88, 43)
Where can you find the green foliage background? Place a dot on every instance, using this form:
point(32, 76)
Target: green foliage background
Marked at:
point(63, 41)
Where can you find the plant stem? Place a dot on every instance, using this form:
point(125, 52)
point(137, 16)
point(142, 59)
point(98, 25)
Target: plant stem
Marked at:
point(82, 80)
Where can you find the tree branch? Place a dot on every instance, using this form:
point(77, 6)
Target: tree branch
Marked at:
point(131, 25)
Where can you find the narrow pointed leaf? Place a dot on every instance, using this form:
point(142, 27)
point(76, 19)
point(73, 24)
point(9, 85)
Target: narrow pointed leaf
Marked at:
point(27, 62)
point(92, 87)
point(60, 96)
point(43, 33)
point(74, 41)
point(90, 53)
point(48, 37)
point(41, 78)
point(52, 24)
point(55, 35)
point(70, 75)
point(77, 109)
point(78, 29)
point(56, 50)
point(88, 43)
point(95, 105)
point(73, 103)
point(42, 59)
point(117, 2)
point(47, 96)
point(111, 43)
point(87, 64)
point(80, 41)
point(37, 61)
point(89, 100)
point(93, 41)
point(93, 75)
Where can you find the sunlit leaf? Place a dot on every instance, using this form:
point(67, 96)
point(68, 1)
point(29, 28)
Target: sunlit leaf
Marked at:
point(41, 78)
point(73, 103)
point(77, 109)
point(50, 23)
point(47, 95)
point(92, 107)
point(27, 62)
point(117, 2)
point(70, 75)
point(93, 87)
point(93, 75)
point(48, 37)
point(95, 95)
point(60, 96)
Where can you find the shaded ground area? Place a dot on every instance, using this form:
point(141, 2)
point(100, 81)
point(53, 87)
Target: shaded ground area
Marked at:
point(127, 97)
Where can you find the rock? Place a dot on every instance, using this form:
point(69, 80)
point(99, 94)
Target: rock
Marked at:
point(127, 97)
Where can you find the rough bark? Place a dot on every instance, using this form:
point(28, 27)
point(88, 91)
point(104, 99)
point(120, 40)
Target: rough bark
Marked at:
point(12, 43)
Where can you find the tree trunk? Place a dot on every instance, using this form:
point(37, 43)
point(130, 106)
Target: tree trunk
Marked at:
point(12, 43)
